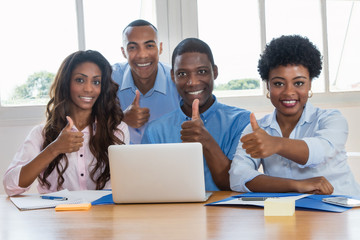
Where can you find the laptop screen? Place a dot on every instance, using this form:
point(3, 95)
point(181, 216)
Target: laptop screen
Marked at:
point(145, 173)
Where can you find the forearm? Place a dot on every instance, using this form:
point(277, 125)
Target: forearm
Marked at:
point(293, 149)
point(315, 185)
point(264, 183)
point(30, 171)
point(218, 163)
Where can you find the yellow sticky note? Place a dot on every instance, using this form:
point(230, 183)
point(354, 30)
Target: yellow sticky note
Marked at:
point(279, 207)
point(73, 207)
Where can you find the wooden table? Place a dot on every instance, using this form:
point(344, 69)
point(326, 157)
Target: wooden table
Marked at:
point(174, 221)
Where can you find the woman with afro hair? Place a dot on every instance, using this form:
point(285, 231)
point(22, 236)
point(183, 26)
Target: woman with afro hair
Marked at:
point(300, 147)
point(84, 118)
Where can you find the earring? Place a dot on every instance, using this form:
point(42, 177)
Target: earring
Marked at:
point(268, 95)
point(310, 93)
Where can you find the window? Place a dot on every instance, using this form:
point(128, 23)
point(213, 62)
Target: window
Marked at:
point(238, 37)
point(235, 43)
point(35, 39)
point(301, 17)
point(42, 33)
point(344, 48)
point(37, 36)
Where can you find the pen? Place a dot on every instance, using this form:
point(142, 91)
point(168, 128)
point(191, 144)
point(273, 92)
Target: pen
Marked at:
point(253, 198)
point(54, 198)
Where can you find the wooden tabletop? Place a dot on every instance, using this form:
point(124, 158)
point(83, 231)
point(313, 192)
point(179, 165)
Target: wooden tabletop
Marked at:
point(174, 221)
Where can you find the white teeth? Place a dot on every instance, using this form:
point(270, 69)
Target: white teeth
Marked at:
point(87, 98)
point(197, 92)
point(289, 102)
point(143, 64)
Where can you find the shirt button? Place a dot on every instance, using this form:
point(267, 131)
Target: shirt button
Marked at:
point(81, 155)
point(82, 174)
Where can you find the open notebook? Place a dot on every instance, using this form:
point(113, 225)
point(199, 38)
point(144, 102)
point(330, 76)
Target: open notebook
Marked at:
point(34, 201)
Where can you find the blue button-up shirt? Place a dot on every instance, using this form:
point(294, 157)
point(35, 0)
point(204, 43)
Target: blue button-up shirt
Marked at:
point(224, 123)
point(161, 99)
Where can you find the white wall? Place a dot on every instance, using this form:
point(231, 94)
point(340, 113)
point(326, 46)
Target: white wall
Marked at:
point(12, 136)
point(10, 140)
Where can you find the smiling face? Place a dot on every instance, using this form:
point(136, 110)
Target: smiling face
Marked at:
point(289, 87)
point(141, 49)
point(85, 86)
point(194, 77)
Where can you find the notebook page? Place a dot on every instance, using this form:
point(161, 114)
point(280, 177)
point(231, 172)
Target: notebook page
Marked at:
point(34, 201)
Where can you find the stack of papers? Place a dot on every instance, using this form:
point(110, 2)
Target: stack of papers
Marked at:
point(34, 201)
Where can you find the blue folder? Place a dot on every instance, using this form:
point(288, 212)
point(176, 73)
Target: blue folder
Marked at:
point(107, 199)
point(312, 202)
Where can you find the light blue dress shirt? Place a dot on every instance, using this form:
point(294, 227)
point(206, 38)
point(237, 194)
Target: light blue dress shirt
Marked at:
point(161, 99)
point(224, 123)
point(324, 131)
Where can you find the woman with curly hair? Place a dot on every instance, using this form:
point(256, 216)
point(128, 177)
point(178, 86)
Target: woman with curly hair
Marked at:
point(301, 147)
point(84, 118)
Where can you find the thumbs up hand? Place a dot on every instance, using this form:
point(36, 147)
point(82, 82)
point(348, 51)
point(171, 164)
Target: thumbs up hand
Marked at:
point(68, 141)
point(253, 122)
point(69, 125)
point(259, 144)
point(134, 115)
point(195, 110)
point(194, 129)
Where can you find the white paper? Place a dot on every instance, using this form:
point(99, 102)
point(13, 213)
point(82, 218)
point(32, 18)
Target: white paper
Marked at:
point(34, 201)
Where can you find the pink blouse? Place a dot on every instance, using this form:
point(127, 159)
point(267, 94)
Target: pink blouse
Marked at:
point(77, 174)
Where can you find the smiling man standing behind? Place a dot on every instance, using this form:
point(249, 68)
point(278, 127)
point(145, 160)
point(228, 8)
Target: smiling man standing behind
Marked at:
point(146, 91)
point(200, 117)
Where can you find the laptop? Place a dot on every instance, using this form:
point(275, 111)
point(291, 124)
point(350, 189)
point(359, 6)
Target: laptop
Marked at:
point(157, 173)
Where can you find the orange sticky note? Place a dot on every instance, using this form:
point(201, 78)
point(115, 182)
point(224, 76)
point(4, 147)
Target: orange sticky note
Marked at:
point(73, 207)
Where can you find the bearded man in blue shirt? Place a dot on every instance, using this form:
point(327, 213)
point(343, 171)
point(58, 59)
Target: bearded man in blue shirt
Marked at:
point(200, 117)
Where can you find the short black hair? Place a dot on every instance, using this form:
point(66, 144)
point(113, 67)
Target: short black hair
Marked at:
point(139, 23)
point(192, 45)
point(293, 50)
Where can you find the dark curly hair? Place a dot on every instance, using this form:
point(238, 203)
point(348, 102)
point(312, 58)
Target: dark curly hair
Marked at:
point(293, 50)
point(106, 111)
